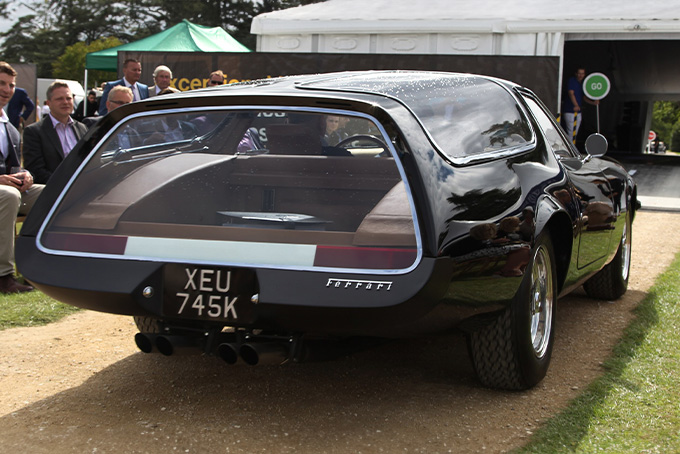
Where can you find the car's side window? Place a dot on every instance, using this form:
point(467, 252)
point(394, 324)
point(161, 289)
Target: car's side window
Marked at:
point(559, 146)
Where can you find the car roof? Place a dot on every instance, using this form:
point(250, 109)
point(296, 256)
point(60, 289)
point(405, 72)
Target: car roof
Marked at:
point(409, 88)
point(453, 109)
point(386, 83)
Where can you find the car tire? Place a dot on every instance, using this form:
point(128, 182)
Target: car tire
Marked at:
point(148, 325)
point(513, 352)
point(611, 282)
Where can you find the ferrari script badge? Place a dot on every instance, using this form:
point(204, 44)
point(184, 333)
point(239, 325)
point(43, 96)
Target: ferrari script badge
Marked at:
point(354, 284)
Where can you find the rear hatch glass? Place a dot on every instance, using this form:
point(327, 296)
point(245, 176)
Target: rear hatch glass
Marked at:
point(248, 187)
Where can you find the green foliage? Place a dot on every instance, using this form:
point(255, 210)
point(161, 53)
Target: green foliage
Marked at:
point(45, 35)
point(71, 64)
point(234, 16)
point(4, 9)
point(31, 309)
point(30, 42)
point(634, 407)
point(675, 137)
point(665, 115)
point(42, 36)
point(88, 20)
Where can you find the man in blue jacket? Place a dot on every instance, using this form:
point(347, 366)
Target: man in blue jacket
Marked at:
point(572, 103)
point(132, 71)
point(20, 101)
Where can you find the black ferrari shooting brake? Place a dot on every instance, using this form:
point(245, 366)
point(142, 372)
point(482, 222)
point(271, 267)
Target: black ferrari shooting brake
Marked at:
point(249, 220)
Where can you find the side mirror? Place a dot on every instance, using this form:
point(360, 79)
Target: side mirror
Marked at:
point(596, 145)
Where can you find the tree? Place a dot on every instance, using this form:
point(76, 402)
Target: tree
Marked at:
point(44, 35)
point(4, 9)
point(71, 64)
point(234, 16)
point(29, 41)
point(665, 115)
point(675, 138)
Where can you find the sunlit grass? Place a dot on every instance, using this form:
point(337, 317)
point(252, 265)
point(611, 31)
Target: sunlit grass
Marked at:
point(635, 406)
point(31, 309)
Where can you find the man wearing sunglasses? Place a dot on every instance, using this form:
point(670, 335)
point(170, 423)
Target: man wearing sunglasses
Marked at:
point(118, 96)
point(216, 78)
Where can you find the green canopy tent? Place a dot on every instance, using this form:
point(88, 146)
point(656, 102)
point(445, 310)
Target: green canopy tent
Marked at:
point(183, 37)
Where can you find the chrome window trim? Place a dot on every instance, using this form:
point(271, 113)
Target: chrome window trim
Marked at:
point(325, 111)
point(455, 160)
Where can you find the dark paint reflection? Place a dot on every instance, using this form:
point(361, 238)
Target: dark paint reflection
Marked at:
point(518, 131)
point(500, 249)
point(478, 204)
point(593, 196)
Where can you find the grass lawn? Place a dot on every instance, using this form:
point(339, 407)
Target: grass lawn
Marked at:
point(635, 406)
point(31, 309)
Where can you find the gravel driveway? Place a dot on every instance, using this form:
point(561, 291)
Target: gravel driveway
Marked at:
point(81, 386)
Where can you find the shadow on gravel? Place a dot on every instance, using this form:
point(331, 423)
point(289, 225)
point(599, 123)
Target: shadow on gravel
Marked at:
point(408, 396)
point(158, 404)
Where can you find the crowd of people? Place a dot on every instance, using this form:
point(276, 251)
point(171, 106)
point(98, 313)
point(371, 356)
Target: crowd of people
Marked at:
point(25, 169)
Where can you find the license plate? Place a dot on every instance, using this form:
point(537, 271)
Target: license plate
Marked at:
point(209, 293)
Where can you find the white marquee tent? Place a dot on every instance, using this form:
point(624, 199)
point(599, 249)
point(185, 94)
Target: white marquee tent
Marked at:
point(635, 42)
point(490, 27)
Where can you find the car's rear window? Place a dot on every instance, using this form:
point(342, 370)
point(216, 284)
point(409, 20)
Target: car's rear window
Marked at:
point(464, 115)
point(274, 188)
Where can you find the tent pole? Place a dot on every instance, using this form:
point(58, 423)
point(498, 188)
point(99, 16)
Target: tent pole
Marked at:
point(85, 100)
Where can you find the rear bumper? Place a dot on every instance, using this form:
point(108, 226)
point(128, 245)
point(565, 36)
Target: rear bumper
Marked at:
point(286, 300)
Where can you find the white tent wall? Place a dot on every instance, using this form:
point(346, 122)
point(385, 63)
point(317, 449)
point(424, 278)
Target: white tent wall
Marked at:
point(538, 44)
point(492, 28)
point(481, 27)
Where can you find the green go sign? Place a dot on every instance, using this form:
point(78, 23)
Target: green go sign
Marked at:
point(596, 86)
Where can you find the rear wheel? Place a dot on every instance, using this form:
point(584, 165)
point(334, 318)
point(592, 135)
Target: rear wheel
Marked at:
point(611, 282)
point(513, 352)
point(148, 325)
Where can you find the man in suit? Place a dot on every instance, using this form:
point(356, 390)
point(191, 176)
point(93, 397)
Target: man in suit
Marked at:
point(126, 137)
point(216, 78)
point(118, 96)
point(132, 71)
point(17, 191)
point(92, 105)
point(162, 76)
point(49, 141)
point(20, 107)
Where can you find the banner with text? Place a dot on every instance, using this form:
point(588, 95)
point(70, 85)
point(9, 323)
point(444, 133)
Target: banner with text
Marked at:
point(191, 69)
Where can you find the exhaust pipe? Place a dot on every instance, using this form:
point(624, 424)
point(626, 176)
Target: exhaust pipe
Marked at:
point(146, 342)
point(264, 353)
point(179, 345)
point(228, 352)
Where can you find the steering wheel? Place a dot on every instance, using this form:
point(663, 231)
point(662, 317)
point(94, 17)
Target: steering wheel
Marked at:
point(378, 141)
